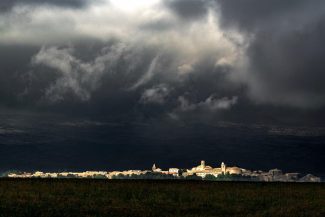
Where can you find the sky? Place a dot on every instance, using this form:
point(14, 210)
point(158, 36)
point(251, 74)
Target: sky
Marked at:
point(241, 78)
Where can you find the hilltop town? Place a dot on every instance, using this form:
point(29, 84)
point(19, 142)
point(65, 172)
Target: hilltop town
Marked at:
point(200, 172)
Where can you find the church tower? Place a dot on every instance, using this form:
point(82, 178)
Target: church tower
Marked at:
point(203, 164)
point(223, 168)
point(154, 167)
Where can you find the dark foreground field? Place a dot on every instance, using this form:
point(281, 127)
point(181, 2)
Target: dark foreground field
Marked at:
point(158, 198)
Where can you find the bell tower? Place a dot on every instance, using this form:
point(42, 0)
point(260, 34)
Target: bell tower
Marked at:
point(223, 168)
point(203, 164)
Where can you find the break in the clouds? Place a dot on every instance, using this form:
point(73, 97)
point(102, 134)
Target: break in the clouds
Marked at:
point(181, 55)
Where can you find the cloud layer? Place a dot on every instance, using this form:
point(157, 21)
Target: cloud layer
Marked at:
point(170, 57)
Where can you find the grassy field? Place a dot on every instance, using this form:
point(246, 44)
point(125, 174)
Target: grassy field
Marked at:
point(158, 198)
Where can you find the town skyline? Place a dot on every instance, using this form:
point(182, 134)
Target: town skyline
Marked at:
point(202, 171)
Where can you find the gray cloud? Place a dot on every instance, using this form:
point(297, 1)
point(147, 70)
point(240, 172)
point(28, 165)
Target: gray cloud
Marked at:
point(134, 61)
point(189, 9)
point(224, 103)
point(87, 60)
point(289, 69)
point(208, 110)
point(8, 131)
point(71, 73)
point(156, 95)
point(285, 52)
point(6, 5)
point(253, 14)
point(211, 103)
point(76, 76)
point(147, 76)
point(284, 46)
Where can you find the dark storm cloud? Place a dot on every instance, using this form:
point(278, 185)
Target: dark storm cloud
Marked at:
point(189, 9)
point(157, 65)
point(286, 49)
point(247, 14)
point(286, 46)
point(290, 67)
point(6, 5)
point(107, 83)
point(12, 75)
point(64, 79)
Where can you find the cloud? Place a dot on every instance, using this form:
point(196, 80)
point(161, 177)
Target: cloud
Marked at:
point(148, 75)
point(185, 69)
point(75, 76)
point(215, 104)
point(284, 46)
point(285, 51)
point(101, 20)
point(112, 57)
point(69, 80)
point(189, 9)
point(6, 5)
point(8, 131)
point(155, 95)
point(211, 104)
point(251, 14)
point(83, 124)
point(129, 57)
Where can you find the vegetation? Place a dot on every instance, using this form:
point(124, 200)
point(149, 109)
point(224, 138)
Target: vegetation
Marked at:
point(160, 176)
point(230, 177)
point(147, 176)
point(189, 198)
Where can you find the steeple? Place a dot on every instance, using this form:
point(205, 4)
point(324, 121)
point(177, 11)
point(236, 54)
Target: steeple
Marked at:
point(223, 168)
point(154, 167)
